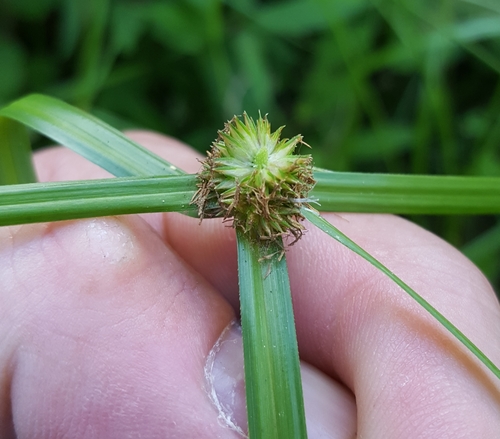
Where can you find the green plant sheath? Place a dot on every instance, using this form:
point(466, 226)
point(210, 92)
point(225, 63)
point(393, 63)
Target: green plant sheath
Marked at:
point(272, 373)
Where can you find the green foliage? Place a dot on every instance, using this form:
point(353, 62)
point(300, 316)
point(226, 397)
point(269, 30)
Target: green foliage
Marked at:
point(15, 149)
point(374, 85)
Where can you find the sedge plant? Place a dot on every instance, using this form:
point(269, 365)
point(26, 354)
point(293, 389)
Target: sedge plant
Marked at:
point(252, 179)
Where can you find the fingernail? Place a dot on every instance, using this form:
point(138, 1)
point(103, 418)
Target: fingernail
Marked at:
point(330, 408)
point(226, 380)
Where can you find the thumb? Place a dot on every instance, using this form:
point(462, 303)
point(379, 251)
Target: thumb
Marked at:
point(330, 408)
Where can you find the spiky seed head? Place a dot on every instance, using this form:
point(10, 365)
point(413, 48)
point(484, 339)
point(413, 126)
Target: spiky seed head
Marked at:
point(252, 177)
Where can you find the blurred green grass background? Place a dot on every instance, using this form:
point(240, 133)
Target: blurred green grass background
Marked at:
point(399, 86)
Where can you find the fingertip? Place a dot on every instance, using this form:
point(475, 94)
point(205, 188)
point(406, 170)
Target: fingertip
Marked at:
point(57, 163)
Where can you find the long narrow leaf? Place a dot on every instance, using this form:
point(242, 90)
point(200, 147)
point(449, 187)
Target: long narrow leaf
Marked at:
point(40, 202)
point(272, 374)
point(406, 194)
point(88, 136)
point(15, 153)
point(336, 234)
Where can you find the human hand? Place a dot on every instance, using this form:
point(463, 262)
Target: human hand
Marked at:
point(106, 326)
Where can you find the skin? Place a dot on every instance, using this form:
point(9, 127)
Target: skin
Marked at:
point(105, 324)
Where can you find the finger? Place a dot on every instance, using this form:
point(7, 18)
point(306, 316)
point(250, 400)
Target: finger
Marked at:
point(377, 326)
point(105, 333)
point(59, 164)
point(411, 378)
point(344, 305)
point(347, 308)
point(353, 323)
point(215, 238)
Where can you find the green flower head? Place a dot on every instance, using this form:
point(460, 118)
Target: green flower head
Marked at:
point(252, 177)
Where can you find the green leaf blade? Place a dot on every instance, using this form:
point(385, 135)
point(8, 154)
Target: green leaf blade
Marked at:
point(56, 201)
point(88, 136)
point(16, 166)
point(272, 373)
point(336, 234)
point(406, 194)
